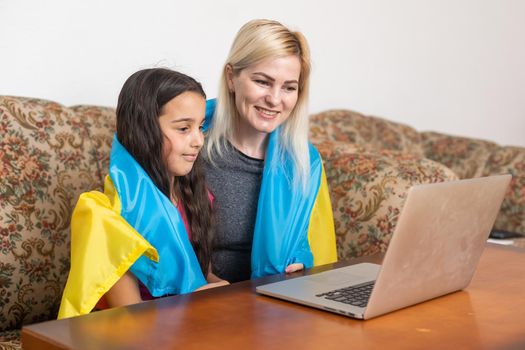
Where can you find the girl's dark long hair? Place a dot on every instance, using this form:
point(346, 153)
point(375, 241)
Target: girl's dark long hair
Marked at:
point(139, 106)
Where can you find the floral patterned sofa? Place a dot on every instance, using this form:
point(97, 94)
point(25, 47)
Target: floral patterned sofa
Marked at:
point(49, 154)
point(371, 162)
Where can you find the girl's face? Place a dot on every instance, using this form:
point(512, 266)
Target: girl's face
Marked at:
point(266, 92)
point(181, 122)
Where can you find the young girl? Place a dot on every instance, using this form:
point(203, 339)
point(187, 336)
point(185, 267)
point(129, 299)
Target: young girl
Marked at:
point(148, 234)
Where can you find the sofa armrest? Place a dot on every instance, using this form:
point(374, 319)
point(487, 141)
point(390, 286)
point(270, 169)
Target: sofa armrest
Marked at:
point(46, 161)
point(509, 160)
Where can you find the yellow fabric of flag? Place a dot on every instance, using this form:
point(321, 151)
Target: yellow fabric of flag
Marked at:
point(103, 248)
point(321, 231)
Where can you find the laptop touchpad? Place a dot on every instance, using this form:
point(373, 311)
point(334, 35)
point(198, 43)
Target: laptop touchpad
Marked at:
point(331, 278)
point(354, 274)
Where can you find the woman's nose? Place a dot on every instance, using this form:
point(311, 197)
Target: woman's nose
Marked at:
point(273, 97)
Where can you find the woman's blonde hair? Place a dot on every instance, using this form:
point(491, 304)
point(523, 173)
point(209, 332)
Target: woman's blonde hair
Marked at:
point(256, 41)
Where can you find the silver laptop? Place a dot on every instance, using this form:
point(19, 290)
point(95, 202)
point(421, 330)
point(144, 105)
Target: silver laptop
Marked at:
point(434, 250)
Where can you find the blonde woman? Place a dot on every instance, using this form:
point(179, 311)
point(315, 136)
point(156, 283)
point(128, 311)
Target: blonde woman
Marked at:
point(271, 197)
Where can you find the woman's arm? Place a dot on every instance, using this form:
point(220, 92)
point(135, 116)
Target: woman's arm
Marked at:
point(124, 292)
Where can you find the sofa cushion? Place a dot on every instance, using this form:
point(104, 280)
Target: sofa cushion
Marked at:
point(46, 162)
point(368, 192)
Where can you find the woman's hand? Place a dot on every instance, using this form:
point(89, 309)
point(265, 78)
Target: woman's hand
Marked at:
point(294, 267)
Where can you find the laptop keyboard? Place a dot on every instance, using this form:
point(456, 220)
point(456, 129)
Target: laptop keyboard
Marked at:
point(354, 295)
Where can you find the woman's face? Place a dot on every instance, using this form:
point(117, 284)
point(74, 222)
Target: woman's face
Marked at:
point(266, 92)
point(181, 122)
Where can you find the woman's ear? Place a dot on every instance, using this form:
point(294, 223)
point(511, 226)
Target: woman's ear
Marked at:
point(228, 69)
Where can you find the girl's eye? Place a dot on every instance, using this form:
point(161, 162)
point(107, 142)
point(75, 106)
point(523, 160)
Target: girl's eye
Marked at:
point(183, 129)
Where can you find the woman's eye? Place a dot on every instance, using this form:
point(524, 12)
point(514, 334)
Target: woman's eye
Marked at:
point(290, 88)
point(262, 82)
point(183, 129)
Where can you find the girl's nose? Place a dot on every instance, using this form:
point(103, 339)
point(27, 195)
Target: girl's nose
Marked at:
point(198, 139)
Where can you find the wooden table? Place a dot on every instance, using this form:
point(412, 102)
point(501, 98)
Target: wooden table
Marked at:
point(489, 314)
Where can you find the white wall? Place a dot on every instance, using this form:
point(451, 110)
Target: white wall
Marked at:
point(455, 66)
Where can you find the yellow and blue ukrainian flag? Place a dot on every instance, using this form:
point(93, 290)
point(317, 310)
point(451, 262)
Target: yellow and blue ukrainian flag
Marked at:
point(132, 225)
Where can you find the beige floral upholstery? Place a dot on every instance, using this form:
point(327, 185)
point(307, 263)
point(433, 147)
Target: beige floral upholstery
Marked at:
point(49, 154)
point(368, 191)
point(371, 133)
point(371, 162)
point(510, 160)
point(473, 158)
point(466, 157)
point(101, 124)
point(10, 340)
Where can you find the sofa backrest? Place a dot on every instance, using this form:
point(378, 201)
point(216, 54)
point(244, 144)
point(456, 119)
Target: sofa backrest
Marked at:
point(49, 154)
point(100, 123)
point(469, 157)
point(466, 157)
point(370, 133)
